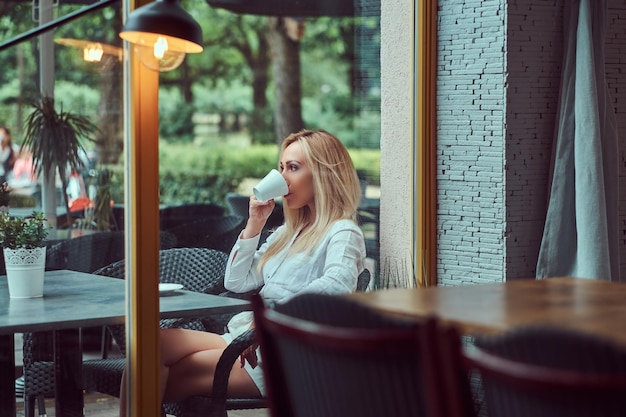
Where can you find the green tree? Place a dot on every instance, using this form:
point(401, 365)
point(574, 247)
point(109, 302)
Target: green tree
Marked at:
point(236, 49)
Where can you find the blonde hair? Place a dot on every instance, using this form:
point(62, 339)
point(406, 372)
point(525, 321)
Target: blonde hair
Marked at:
point(336, 187)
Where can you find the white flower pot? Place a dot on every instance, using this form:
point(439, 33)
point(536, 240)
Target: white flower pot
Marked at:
point(25, 271)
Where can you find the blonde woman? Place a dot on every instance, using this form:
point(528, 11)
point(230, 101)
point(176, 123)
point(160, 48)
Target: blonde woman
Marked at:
point(319, 248)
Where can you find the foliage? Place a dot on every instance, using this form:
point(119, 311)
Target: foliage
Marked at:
point(77, 98)
point(191, 174)
point(115, 188)
point(102, 204)
point(54, 139)
point(182, 187)
point(176, 120)
point(23, 232)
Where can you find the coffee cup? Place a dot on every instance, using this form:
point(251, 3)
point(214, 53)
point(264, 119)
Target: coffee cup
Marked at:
point(271, 186)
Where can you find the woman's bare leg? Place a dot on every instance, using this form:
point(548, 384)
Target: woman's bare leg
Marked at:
point(188, 360)
point(191, 358)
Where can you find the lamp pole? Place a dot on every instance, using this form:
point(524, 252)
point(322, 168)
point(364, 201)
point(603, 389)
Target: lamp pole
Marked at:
point(141, 173)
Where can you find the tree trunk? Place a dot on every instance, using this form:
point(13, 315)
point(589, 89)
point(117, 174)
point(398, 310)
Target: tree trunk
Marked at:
point(285, 54)
point(260, 123)
point(109, 138)
point(186, 82)
point(110, 135)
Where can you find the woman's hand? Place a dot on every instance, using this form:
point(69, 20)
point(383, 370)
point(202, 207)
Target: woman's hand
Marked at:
point(258, 213)
point(249, 355)
point(258, 210)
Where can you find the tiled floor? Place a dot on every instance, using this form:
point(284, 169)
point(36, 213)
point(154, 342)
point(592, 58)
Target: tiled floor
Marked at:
point(98, 405)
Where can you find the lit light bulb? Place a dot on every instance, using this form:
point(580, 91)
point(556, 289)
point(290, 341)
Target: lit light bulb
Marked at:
point(161, 61)
point(160, 47)
point(93, 52)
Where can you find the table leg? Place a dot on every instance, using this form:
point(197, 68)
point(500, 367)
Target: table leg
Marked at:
point(68, 360)
point(7, 375)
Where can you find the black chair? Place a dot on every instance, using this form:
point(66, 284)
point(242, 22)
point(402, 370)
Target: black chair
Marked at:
point(86, 253)
point(224, 233)
point(94, 251)
point(173, 216)
point(238, 204)
point(537, 371)
point(197, 269)
point(329, 356)
point(219, 403)
point(214, 232)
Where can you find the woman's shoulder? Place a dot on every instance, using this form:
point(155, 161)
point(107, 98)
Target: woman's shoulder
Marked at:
point(344, 224)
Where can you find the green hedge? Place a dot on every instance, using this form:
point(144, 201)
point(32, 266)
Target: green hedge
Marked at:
point(190, 173)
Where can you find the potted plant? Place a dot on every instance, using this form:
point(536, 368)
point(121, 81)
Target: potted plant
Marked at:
point(54, 139)
point(5, 197)
point(24, 247)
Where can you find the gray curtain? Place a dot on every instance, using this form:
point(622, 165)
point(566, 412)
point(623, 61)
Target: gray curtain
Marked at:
point(580, 236)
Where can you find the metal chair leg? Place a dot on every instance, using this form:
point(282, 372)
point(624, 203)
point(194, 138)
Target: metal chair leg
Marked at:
point(41, 404)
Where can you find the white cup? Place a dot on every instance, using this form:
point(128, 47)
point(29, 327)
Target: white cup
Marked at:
point(271, 186)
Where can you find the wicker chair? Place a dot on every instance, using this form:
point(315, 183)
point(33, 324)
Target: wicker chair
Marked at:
point(86, 253)
point(537, 371)
point(176, 215)
point(215, 232)
point(219, 403)
point(197, 269)
point(329, 356)
point(206, 269)
point(91, 252)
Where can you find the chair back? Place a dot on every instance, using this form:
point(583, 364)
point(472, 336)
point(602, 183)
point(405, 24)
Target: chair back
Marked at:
point(91, 252)
point(536, 371)
point(86, 253)
point(215, 232)
point(329, 356)
point(238, 204)
point(176, 215)
point(224, 233)
point(363, 280)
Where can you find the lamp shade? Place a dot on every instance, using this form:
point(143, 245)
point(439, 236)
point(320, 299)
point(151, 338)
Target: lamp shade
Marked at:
point(291, 8)
point(163, 18)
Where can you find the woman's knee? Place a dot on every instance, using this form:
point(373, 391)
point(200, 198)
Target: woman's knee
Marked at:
point(176, 344)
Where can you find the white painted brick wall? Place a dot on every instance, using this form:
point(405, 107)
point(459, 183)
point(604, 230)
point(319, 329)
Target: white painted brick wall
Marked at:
point(470, 148)
point(534, 56)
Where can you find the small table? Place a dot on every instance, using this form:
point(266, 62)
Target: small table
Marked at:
point(72, 300)
point(591, 306)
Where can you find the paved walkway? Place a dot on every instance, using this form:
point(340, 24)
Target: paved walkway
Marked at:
point(100, 405)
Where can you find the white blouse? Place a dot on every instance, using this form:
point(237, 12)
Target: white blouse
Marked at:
point(332, 268)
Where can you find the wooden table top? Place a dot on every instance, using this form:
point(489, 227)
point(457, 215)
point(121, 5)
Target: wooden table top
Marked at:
point(593, 306)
